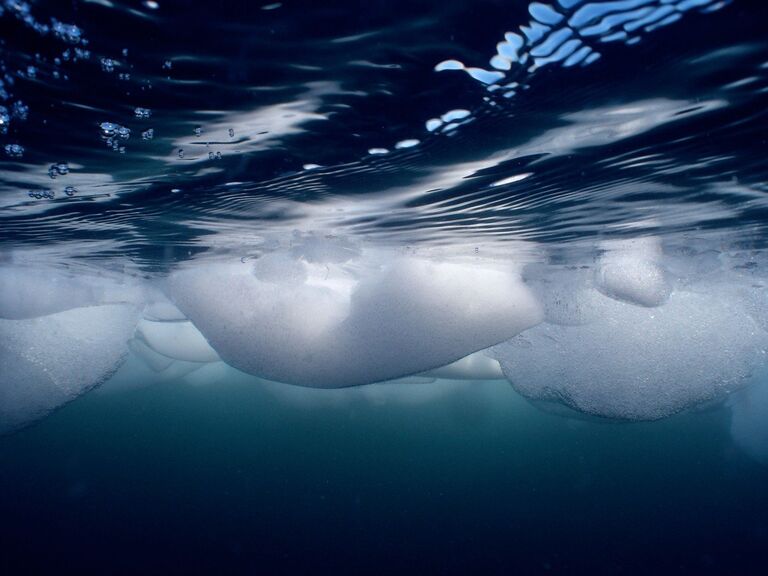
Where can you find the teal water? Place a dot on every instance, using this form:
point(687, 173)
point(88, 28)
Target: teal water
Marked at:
point(175, 478)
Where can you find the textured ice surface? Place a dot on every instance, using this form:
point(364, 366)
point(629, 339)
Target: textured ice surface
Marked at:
point(48, 361)
point(157, 362)
point(749, 420)
point(313, 325)
point(629, 270)
point(27, 292)
point(639, 363)
point(179, 340)
point(32, 291)
point(566, 293)
point(162, 311)
point(477, 366)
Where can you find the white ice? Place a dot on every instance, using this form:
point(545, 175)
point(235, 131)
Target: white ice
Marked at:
point(639, 363)
point(317, 324)
point(50, 360)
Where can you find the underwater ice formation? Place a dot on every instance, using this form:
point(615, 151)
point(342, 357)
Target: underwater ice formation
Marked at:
point(630, 271)
point(50, 360)
point(177, 340)
point(639, 363)
point(31, 291)
point(27, 292)
point(319, 325)
point(629, 329)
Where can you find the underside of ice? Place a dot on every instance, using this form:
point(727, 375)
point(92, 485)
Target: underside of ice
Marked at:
point(629, 329)
point(320, 325)
point(179, 340)
point(476, 366)
point(629, 271)
point(48, 361)
point(27, 292)
point(639, 363)
point(31, 291)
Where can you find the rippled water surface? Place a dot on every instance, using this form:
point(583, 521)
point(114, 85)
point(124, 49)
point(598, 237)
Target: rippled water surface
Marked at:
point(389, 287)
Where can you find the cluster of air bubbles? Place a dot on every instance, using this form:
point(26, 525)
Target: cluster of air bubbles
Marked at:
point(70, 191)
point(59, 169)
point(123, 76)
point(112, 130)
point(167, 65)
point(212, 156)
point(198, 131)
point(40, 194)
point(67, 32)
point(82, 54)
point(148, 134)
point(19, 110)
point(112, 134)
point(140, 112)
point(31, 72)
point(181, 153)
point(5, 119)
point(231, 132)
point(14, 150)
point(108, 65)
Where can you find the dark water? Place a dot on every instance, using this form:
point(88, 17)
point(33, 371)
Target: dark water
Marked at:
point(139, 140)
point(173, 479)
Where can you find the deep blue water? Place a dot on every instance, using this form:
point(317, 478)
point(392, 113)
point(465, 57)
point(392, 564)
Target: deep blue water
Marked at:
point(152, 151)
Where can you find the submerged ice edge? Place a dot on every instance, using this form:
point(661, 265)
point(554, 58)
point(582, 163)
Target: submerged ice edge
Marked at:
point(638, 330)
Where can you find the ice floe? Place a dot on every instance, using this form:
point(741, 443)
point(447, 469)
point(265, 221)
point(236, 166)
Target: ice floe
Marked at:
point(50, 360)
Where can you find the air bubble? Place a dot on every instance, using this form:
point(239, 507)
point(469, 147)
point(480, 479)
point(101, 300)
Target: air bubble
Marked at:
point(5, 119)
point(148, 134)
point(14, 150)
point(19, 110)
point(140, 112)
point(70, 191)
point(67, 32)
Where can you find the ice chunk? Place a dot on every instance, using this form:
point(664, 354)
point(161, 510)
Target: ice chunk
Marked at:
point(32, 291)
point(208, 374)
point(48, 361)
point(157, 362)
point(755, 299)
point(27, 292)
point(749, 420)
point(638, 363)
point(477, 366)
point(177, 340)
point(566, 293)
point(163, 311)
point(629, 271)
point(333, 330)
